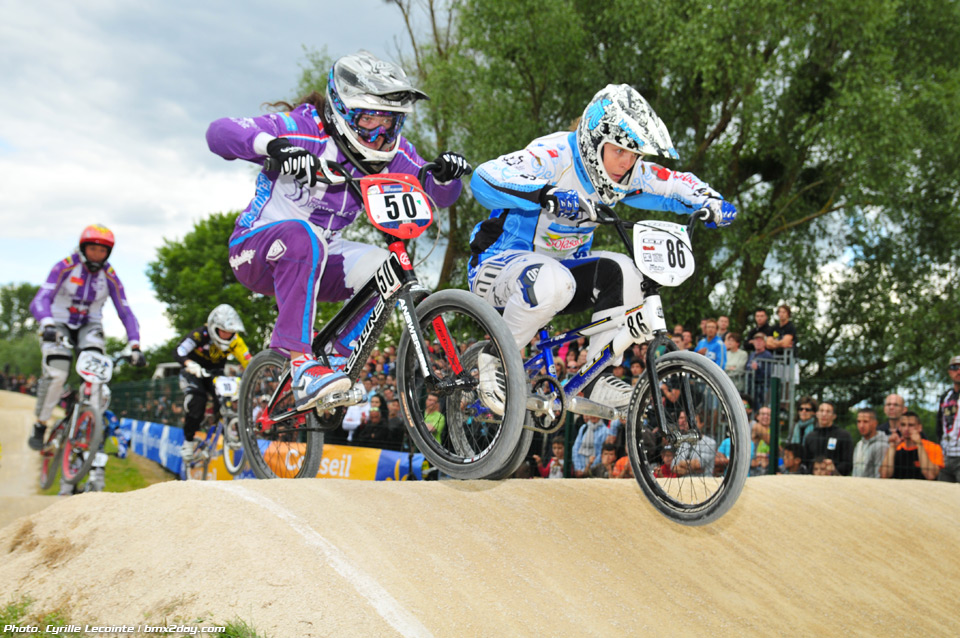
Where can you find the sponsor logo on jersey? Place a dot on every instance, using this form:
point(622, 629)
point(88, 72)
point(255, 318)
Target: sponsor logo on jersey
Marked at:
point(555, 242)
point(76, 280)
point(277, 249)
point(241, 258)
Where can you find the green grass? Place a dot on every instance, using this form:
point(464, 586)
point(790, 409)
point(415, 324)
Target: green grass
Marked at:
point(18, 613)
point(124, 475)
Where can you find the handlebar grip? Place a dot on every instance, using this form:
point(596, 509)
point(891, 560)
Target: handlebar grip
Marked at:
point(270, 164)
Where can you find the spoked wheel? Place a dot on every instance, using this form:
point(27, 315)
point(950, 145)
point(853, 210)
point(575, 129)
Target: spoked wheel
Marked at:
point(697, 486)
point(287, 448)
point(232, 446)
point(80, 449)
point(467, 424)
point(52, 454)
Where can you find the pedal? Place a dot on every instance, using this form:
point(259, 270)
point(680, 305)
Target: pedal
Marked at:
point(352, 396)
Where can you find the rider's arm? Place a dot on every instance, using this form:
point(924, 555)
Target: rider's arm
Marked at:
point(186, 346)
point(516, 180)
point(247, 137)
point(408, 161)
point(123, 308)
point(40, 307)
point(239, 350)
point(659, 188)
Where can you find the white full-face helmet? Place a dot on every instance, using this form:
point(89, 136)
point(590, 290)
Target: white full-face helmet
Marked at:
point(619, 115)
point(225, 318)
point(362, 84)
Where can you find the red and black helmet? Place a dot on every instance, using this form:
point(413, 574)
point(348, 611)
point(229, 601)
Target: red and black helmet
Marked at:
point(96, 234)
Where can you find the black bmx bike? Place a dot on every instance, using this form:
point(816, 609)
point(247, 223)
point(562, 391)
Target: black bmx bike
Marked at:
point(454, 351)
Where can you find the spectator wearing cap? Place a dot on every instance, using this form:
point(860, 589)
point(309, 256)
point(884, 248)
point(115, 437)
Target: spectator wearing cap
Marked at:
point(948, 425)
point(759, 363)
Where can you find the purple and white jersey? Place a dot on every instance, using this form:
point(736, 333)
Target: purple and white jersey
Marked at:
point(74, 296)
point(280, 197)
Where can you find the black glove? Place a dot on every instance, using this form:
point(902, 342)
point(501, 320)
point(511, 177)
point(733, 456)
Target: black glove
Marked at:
point(450, 166)
point(49, 334)
point(296, 161)
point(137, 358)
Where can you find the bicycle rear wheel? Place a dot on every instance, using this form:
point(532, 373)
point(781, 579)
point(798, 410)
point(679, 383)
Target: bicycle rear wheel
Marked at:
point(232, 447)
point(468, 423)
point(52, 454)
point(80, 449)
point(698, 486)
point(290, 448)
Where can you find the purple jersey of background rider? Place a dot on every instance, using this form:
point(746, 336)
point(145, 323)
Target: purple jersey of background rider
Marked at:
point(74, 296)
point(286, 242)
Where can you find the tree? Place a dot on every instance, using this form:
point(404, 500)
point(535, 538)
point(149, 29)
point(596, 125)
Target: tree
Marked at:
point(193, 276)
point(15, 317)
point(832, 127)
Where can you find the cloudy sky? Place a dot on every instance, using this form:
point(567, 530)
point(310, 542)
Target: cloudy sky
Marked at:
point(103, 109)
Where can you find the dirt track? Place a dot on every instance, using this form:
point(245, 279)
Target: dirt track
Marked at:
point(797, 556)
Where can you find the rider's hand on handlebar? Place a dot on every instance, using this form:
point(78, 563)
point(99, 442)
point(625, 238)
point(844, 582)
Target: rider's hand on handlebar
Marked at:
point(450, 166)
point(136, 358)
point(192, 367)
point(567, 204)
point(49, 333)
point(295, 161)
point(717, 212)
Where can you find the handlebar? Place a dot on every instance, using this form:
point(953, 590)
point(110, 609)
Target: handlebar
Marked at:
point(344, 177)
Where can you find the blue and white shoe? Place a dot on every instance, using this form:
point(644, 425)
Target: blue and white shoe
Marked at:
point(312, 382)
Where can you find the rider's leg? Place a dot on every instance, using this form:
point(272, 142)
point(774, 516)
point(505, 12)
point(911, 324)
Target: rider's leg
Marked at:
point(349, 266)
point(55, 365)
point(530, 289)
point(194, 404)
point(288, 260)
point(612, 286)
point(90, 337)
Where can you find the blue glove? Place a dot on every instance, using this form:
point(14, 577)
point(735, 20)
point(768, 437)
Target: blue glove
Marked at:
point(562, 203)
point(721, 213)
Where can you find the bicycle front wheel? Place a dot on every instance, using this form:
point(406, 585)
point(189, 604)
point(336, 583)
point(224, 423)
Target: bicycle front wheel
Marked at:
point(81, 445)
point(683, 476)
point(232, 446)
point(465, 418)
point(288, 448)
point(52, 454)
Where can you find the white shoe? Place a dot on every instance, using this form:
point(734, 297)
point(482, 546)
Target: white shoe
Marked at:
point(186, 451)
point(612, 392)
point(492, 383)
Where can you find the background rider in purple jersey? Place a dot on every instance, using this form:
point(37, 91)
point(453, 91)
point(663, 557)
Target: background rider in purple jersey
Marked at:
point(69, 309)
point(287, 242)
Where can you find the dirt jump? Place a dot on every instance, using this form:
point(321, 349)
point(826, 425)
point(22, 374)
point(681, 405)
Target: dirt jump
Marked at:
point(796, 556)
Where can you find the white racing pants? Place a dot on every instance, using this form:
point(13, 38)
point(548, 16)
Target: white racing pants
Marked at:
point(531, 288)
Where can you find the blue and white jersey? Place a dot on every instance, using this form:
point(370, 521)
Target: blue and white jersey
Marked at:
point(511, 187)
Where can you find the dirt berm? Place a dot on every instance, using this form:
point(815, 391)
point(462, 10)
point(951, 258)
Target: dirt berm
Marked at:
point(796, 556)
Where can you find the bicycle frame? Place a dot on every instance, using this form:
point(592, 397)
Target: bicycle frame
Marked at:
point(646, 325)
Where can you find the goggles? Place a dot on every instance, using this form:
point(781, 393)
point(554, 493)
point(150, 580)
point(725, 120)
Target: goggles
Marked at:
point(389, 132)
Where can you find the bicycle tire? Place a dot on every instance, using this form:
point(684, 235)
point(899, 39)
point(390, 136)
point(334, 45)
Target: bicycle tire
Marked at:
point(52, 454)
point(694, 499)
point(476, 447)
point(233, 457)
point(269, 453)
point(88, 436)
